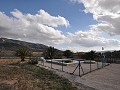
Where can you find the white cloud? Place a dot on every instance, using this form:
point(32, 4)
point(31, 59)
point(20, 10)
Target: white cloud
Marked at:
point(76, 1)
point(106, 12)
point(91, 39)
point(42, 17)
point(37, 28)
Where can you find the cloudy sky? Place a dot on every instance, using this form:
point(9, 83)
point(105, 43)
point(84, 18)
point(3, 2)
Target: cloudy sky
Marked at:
point(78, 25)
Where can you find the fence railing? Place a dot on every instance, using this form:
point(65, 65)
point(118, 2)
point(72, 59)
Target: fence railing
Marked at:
point(76, 67)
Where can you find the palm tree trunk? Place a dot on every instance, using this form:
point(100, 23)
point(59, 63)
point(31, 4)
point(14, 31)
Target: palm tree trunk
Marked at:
point(22, 59)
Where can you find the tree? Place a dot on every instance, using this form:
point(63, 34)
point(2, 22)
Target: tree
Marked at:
point(22, 53)
point(50, 52)
point(108, 54)
point(68, 54)
point(0, 53)
point(80, 55)
point(90, 55)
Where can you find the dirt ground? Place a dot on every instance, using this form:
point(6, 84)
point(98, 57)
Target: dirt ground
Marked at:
point(24, 76)
point(10, 61)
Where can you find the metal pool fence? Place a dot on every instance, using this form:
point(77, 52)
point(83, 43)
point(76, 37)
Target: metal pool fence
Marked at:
point(76, 67)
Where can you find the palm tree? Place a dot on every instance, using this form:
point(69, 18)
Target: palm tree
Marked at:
point(50, 52)
point(22, 53)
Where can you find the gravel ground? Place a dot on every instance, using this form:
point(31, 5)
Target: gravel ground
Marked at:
point(107, 78)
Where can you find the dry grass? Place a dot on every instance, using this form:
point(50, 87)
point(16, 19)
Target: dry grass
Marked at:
point(30, 77)
point(10, 61)
point(17, 79)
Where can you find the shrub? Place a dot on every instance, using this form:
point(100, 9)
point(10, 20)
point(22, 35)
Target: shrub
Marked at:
point(33, 62)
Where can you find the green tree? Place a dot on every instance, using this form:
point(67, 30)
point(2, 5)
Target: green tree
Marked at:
point(22, 53)
point(0, 53)
point(68, 54)
point(50, 52)
point(90, 55)
point(108, 54)
point(80, 55)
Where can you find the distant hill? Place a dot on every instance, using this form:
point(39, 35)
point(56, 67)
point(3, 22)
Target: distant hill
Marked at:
point(10, 44)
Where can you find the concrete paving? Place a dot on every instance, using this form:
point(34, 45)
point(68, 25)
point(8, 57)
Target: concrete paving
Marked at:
point(107, 78)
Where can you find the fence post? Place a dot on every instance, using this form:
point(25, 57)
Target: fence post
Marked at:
point(102, 62)
point(51, 63)
point(90, 65)
point(97, 64)
point(79, 67)
point(62, 65)
point(43, 62)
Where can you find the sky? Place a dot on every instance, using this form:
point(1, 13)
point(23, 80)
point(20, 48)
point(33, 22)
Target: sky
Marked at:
point(77, 25)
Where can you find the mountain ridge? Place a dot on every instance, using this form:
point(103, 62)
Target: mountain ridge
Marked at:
point(11, 44)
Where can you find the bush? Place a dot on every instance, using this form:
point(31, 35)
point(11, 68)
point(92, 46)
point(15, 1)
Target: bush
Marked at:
point(33, 62)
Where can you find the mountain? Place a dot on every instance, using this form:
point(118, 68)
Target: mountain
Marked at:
point(10, 44)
